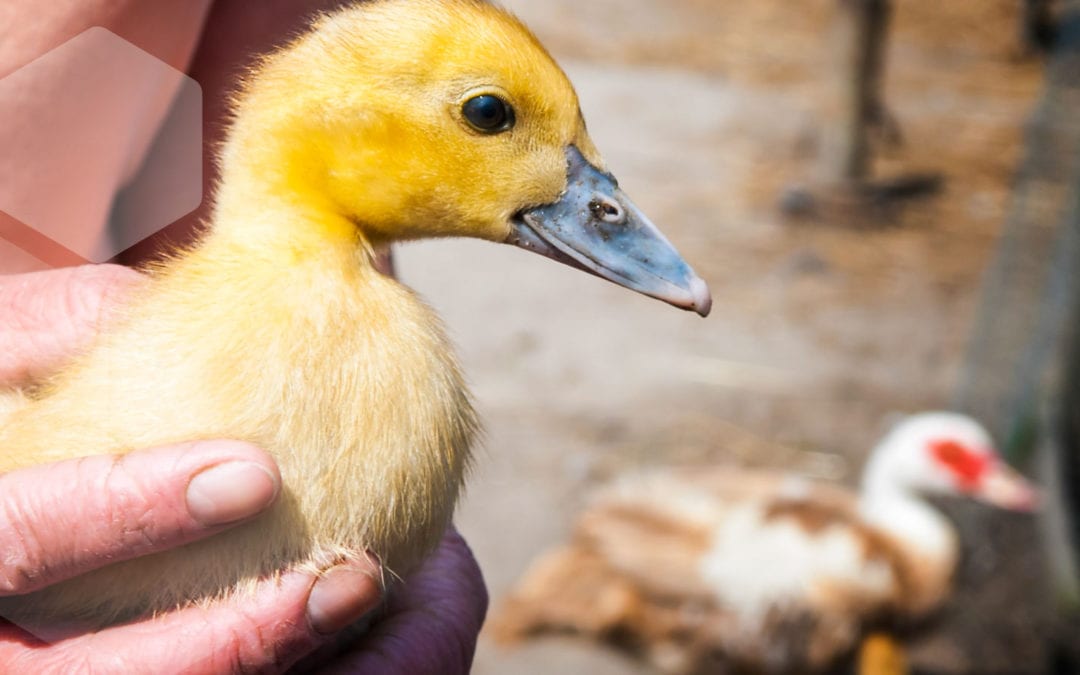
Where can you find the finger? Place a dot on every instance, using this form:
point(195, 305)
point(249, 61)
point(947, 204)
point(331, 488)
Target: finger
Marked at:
point(265, 632)
point(60, 520)
point(46, 316)
point(432, 622)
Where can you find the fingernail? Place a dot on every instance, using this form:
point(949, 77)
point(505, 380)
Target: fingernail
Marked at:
point(229, 492)
point(342, 596)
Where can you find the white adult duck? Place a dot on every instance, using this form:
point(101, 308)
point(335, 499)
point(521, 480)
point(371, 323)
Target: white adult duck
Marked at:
point(705, 570)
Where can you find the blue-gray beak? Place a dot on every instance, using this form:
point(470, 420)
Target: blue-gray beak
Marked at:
point(596, 228)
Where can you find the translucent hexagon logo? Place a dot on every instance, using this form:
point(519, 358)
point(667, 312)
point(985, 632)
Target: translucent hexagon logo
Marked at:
point(77, 126)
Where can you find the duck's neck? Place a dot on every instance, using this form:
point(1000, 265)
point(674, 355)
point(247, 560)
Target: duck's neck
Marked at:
point(923, 537)
point(372, 357)
point(264, 205)
point(908, 519)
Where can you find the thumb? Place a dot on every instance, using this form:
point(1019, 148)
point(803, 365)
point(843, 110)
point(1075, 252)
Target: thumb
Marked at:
point(46, 316)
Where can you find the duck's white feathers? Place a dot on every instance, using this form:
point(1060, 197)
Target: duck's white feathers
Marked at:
point(699, 568)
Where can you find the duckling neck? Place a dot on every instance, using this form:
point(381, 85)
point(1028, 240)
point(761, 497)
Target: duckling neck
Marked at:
point(281, 218)
point(369, 404)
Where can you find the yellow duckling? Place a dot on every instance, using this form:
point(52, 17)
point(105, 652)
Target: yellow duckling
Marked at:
point(389, 121)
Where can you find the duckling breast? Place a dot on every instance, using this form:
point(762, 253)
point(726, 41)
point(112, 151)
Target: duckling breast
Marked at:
point(358, 396)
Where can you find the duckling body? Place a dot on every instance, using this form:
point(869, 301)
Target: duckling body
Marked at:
point(389, 121)
point(721, 570)
point(379, 348)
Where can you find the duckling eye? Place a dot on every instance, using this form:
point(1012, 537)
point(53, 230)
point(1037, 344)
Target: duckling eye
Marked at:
point(489, 114)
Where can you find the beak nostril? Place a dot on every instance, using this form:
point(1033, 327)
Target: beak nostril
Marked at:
point(607, 210)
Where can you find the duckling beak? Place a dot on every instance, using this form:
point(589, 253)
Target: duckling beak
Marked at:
point(1004, 487)
point(595, 228)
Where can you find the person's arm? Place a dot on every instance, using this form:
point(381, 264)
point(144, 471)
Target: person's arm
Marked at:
point(63, 519)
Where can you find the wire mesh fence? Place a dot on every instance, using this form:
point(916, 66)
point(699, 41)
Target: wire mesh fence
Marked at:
point(1022, 374)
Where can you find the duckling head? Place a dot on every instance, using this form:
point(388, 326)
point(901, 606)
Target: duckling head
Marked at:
point(405, 119)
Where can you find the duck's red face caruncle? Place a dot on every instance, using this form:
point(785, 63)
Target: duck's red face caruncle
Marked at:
point(967, 466)
point(980, 473)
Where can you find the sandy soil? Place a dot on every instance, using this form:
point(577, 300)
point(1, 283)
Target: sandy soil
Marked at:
point(820, 333)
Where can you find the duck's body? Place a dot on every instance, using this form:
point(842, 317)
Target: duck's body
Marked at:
point(720, 569)
point(378, 355)
point(390, 121)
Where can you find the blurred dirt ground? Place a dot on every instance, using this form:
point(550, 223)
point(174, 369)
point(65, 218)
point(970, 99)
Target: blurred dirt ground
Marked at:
point(821, 333)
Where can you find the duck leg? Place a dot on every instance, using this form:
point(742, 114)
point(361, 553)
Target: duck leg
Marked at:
point(881, 654)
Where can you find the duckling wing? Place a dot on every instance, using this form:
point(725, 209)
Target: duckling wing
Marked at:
point(10, 401)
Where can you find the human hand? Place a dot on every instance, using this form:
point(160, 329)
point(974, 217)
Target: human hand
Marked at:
point(429, 626)
point(60, 520)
